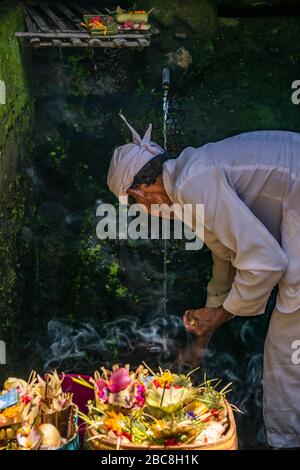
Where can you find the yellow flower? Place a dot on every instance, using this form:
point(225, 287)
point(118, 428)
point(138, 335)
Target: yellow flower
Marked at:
point(158, 427)
point(158, 424)
point(198, 408)
point(166, 377)
point(114, 421)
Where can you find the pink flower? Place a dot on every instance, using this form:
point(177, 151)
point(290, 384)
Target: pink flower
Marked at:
point(101, 384)
point(119, 380)
point(141, 389)
point(140, 396)
point(102, 394)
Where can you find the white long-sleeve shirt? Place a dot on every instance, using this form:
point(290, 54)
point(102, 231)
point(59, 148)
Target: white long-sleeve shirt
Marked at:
point(250, 187)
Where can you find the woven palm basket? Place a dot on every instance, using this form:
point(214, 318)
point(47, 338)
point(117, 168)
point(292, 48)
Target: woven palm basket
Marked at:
point(227, 442)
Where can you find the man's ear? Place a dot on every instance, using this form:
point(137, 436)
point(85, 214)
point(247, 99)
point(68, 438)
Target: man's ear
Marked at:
point(137, 192)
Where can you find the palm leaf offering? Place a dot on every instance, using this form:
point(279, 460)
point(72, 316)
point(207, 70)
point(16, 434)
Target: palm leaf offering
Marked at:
point(132, 19)
point(36, 414)
point(143, 407)
point(118, 21)
point(168, 400)
point(100, 25)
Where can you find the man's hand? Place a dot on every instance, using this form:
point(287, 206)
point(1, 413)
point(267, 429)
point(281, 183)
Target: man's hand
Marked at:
point(204, 321)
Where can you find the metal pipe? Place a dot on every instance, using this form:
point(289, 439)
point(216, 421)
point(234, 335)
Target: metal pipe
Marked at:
point(166, 78)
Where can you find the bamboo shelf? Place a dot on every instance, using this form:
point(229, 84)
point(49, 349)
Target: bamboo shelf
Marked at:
point(60, 26)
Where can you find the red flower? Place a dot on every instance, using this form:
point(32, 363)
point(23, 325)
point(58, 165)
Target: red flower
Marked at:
point(123, 434)
point(127, 435)
point(156, 383)
point(25, 399)
point(214, 412)
point(95, 19)
point(172, 441)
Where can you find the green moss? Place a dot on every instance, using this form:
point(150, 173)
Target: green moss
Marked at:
point(203, 54)
point(260, 3)
point(12, 217)
point(258, 116)
point(199, 15)
point(15, 124)
point(15, 115)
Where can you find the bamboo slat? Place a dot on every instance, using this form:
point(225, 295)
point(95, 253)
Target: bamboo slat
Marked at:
point(81, 35)
point(38, 20)
point(62, 26)
point(70, 15)
point(50, 27)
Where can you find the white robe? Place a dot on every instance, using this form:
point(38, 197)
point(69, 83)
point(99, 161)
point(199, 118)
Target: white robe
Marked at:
point(250, 187)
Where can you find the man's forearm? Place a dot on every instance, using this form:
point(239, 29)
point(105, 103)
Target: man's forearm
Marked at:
point(220, 284)
point(227, 315)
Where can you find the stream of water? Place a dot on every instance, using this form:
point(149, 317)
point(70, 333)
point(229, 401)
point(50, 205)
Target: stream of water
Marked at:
point(166, 86)
point(155, 348)
point(165, 117)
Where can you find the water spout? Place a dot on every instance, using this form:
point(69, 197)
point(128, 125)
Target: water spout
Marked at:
point(166, 78)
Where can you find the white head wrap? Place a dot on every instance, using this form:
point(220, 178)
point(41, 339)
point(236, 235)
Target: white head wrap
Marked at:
point(128, 160)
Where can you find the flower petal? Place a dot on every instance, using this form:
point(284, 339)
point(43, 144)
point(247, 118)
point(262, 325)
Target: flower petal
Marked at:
point(101, 384)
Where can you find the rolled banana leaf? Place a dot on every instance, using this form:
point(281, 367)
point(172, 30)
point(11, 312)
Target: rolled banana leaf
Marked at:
point(121, 17)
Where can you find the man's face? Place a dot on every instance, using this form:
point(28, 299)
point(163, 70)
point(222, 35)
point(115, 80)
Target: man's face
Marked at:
point(149, 196)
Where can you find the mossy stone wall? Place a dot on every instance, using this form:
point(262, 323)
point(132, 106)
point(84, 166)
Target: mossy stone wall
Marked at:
point(15, 125)
point(15, 115)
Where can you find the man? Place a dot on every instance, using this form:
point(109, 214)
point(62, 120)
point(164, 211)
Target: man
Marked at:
point(250, 187)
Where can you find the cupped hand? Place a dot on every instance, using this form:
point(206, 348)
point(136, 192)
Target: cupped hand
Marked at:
point(204, 321)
